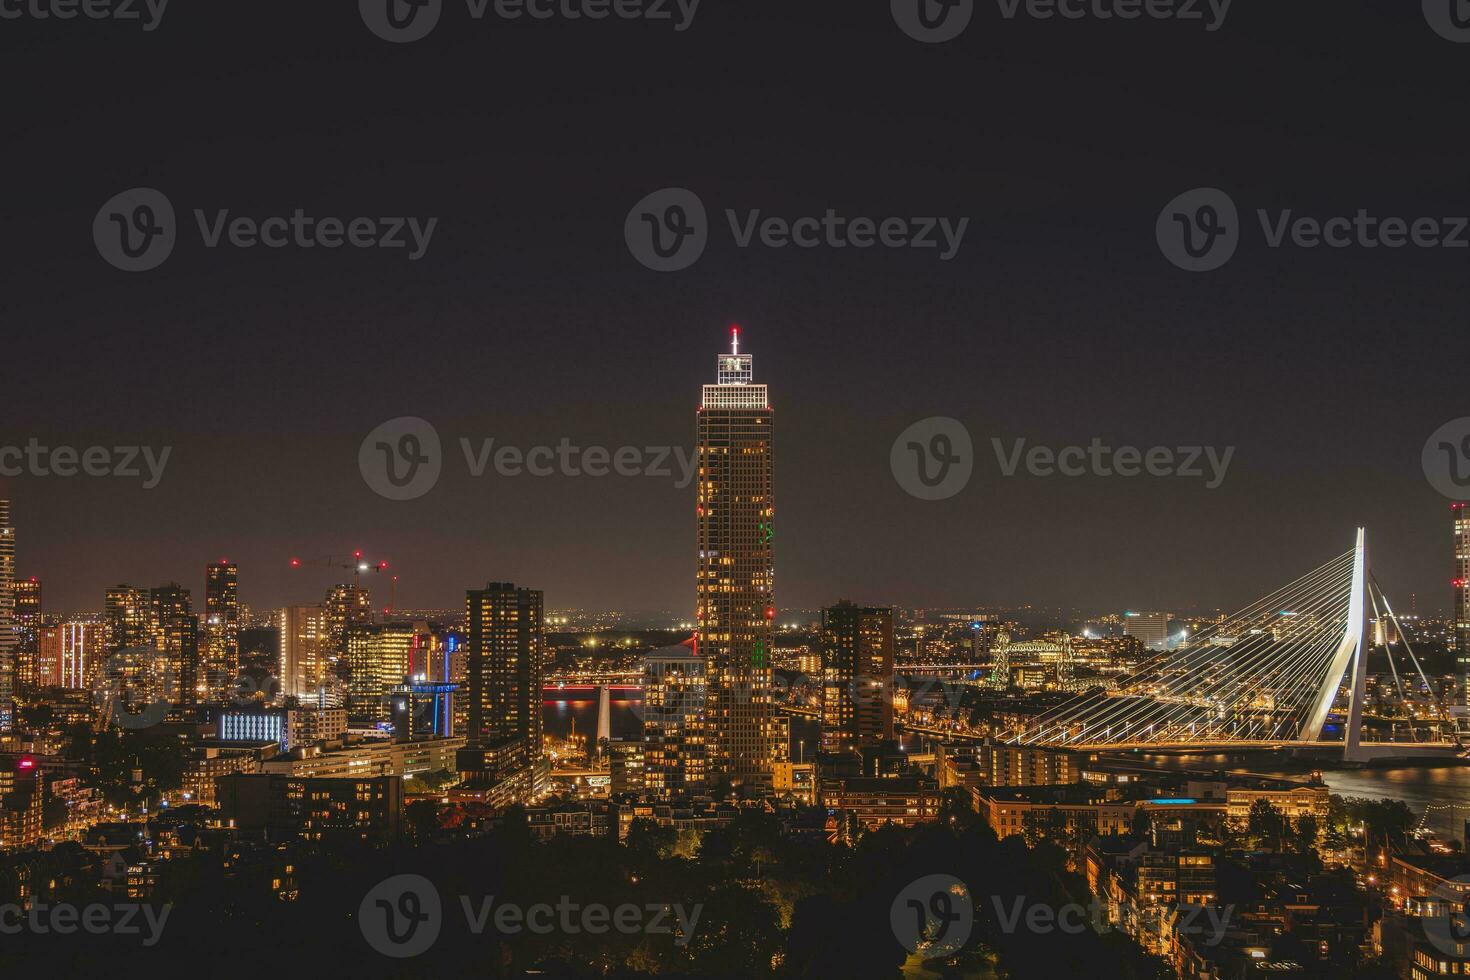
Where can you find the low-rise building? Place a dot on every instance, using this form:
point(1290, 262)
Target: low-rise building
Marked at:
point(365, 810)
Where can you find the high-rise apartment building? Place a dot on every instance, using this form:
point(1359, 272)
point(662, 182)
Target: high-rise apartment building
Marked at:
point(735, 572)
point(347, 606)
point(80, 650)
point(1460, 514)
point(27, 627)
point(307, 650)
point(152, 643)
point(175, 633)
point(220, 654)
point(506, 668)
point(857, 676)
point(674, 689)
point(126, 613)
point(8, 638)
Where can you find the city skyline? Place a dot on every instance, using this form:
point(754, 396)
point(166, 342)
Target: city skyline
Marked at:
point(387, 574)
point(1021, 335)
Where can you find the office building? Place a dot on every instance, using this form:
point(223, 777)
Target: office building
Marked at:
point(1151, 629)
point(422, 708)
point(857, 676)
point(378, 660)
point(289, 728)
point(736, 602)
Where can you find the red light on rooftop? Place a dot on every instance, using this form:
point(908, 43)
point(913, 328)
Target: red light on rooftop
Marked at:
point(357, 554)
point(295, 562)
point(26, 762)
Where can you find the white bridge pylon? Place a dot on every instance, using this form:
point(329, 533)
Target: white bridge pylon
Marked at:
point(1271, 672)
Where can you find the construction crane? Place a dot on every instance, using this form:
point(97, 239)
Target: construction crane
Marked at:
point(356, 564)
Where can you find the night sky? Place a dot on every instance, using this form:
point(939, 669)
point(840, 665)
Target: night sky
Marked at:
point(528, 320)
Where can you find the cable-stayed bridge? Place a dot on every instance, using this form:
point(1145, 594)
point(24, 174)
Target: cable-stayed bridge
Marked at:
point(1267, 675)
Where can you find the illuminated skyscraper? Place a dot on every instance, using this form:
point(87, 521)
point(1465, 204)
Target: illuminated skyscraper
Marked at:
point(126, 617)
point(220, 658)
point(506, 667)
point(735, 577)
point(857, 677)
point(175, 631)
point(8, 637)
point(1460, 513)
point(378, 660)
point(27, 627)
point(80, 652)
point(347, 606)
point(307, 647)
